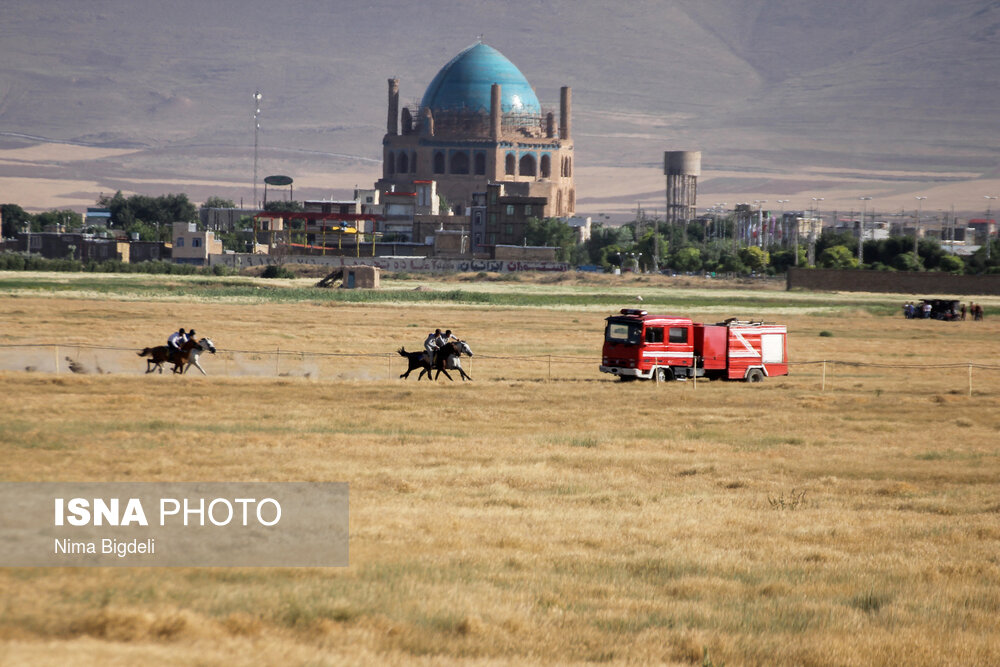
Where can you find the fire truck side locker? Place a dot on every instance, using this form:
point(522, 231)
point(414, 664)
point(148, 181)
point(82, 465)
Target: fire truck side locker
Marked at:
point(711, 346)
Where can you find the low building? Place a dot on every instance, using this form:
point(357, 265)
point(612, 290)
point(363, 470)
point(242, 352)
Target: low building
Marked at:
point(78, 246)
point(191, 246)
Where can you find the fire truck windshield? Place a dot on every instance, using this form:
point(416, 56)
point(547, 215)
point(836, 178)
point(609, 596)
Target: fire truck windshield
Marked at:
point(623, 332)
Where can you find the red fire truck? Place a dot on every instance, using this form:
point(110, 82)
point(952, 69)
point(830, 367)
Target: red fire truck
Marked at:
point(663, 347)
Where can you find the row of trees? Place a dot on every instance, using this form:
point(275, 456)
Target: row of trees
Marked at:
point(149, 217)
point(683, 249)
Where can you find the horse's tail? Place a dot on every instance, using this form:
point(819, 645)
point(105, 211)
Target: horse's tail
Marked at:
point(145, 351)
point(402, 352)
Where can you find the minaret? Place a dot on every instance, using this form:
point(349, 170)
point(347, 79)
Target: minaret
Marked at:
point(392, 122)
point(565, 104)
point(495, 112)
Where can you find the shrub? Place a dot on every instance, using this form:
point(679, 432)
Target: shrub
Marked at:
point(276, 271)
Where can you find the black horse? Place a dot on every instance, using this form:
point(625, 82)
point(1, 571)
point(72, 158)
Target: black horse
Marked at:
point(415, 360)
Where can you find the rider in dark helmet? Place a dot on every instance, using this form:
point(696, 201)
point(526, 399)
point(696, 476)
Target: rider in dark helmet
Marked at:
point(174, 343)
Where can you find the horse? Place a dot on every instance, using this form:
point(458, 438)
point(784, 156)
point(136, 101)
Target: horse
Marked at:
point(161, 353)
point(415, 360)
point(449, 357)
point(201, 346)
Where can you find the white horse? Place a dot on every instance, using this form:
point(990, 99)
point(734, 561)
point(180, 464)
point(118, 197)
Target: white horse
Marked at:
point(454, 360)
point(200, 346)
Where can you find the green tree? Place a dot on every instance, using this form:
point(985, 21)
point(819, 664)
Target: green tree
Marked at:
point(905, 261)
point(687, 259)
point(283, 206)
point(163, 210)
point(218, 202)
point(837, 257)
point(730, 263)
point(782, 260)
point(553, 233)
point(14, 219)
point(71, 219)
point(951, 264)
point(754, 258)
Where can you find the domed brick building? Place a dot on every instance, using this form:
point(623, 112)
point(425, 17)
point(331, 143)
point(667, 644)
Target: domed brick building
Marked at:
point(480, 122)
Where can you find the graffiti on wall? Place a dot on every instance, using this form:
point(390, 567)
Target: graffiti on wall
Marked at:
point(397, 264)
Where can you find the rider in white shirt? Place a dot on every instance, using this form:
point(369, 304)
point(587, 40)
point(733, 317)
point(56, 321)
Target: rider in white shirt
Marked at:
point(175, 341)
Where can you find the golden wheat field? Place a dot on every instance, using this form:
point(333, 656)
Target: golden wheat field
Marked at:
point(542, 513)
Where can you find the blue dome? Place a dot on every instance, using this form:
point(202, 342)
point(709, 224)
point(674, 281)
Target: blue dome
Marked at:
point(465, 82)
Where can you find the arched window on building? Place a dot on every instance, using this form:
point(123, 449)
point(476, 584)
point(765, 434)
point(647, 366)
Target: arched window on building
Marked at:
point(438, 162)
point(403, 165)
point(390, 163)
point(559, 206)
point(546, 166)
point(459, 163)
point(480, 163)
point(572, 200)
point(569, 167)
point(562, 167)
point(510, 164)
point(527, 165)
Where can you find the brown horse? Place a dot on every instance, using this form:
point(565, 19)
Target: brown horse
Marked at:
point(161, 354)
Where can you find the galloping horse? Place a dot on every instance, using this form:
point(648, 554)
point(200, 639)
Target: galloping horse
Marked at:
point(203, 344)
point(181, 359)
point(450, 357)
point(415, 360)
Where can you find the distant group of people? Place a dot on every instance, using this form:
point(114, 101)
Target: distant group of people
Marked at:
point(435, 341)
point(913, 312)
point(942, 310)
point(176, 341)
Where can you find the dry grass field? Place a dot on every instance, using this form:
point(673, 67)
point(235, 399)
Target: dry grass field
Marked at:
point(533, 515)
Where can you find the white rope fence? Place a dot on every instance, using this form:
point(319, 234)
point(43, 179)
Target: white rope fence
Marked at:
point(103, 359)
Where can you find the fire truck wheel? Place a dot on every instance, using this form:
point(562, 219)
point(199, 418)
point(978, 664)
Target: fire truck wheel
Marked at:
point(755, 376)
point(664, 375)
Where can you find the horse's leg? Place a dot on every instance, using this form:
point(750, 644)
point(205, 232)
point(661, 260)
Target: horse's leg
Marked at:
point(465, 376)
point(442, 370)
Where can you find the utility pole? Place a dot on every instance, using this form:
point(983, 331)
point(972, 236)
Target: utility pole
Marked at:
point(256, 130)
point(812, 229)
point(861, 231)
point(916, 227)
point(988, 199)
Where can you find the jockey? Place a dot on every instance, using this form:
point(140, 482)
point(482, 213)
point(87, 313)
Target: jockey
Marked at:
point(431, 344)
point(175, 341)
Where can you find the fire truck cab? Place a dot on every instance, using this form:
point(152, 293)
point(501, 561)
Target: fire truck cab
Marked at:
point(638, 345)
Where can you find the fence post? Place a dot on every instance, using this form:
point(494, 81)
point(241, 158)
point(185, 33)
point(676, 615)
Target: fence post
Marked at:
point(277, 355)
point(550, 368)
point(823, 386)
point(970, 379)
point(57, 359)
